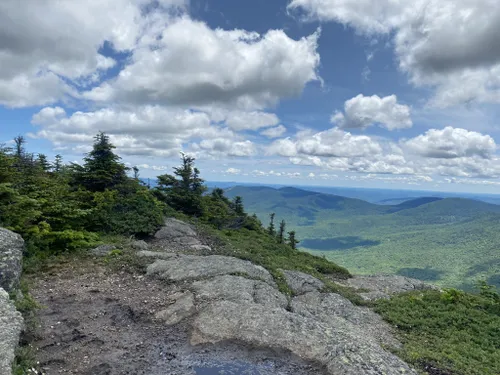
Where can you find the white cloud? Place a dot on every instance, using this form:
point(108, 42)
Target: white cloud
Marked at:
point(451, 45)
point(364, 111)
point(191, 64)
point(219, 147)
point(233, 171)
point(450, 143)
point(330, 143)
point(250, 120)
point(45, 42)
point(152, 167)
point(275, 132)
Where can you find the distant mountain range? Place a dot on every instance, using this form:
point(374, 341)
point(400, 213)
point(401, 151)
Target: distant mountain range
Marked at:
point(449, 241)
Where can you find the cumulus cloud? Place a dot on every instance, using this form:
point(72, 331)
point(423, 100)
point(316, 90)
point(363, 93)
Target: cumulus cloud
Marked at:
point(233, 171)
point(189, 63)
point(450, 143)
point(253, 120)
point(275, 132)
point(364, 111)
point(46, 43)
point(330, 143)
point(451, 45)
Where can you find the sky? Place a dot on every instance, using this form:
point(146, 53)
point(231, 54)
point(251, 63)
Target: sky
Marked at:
point(364, 93)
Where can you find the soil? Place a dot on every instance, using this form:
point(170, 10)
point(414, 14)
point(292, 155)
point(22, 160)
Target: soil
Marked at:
point(99, 321)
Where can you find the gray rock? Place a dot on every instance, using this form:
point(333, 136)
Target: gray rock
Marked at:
point(177, 231)
point(383, 286)
point(238, 289)
point(156, 254)
point(182, 308)
point(102, 250)
point(301, 283)
point(11, 255)
point(324, 306)
point(339, 345)
point(201, 248)
point(11, 325)
point(140, 245)
point(193, 267)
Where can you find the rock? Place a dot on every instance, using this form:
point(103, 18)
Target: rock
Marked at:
point(238, 289)
point(182, 308)
point(338, 345)
point(383, 286)
point(301, 283)
point(201, 248)
point(11, 325)
point(11, 255)
point(139, 245)
point(193, 267)
point(156, 254)
point(177, 231)
point(324, 306)
point(103, 250)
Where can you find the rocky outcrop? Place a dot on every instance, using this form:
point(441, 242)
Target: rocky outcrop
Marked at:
point(301, 283)
point(225, 299)
point(177, 235)
point(11, 255)
point(11, 321)
point(180, 267)
point(11, 324)
point(383, 286)
point(102, 250)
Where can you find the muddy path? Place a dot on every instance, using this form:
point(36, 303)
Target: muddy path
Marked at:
point(100, 321)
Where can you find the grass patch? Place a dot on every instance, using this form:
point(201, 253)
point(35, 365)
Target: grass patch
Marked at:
point(454, 332)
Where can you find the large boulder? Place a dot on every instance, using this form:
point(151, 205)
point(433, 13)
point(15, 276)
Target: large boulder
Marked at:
point(181, 267)
point(384, 286)
point(11, 325)
point(176, 235)
point(238, 289)
point(11, 255)
point(339, 345)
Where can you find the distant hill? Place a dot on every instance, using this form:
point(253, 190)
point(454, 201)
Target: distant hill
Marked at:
point(449, 241)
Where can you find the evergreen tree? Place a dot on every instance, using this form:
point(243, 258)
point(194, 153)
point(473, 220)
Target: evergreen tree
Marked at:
point(20, 152)
point(58, 163)
point(136, 173)
point(183, 191)
point(271, 229)
point(43, 163)
point(281, 232)
point(292, 240)
point(102, 169)
point(238, 206)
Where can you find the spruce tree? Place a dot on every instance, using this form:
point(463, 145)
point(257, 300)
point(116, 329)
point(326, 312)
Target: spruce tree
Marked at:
point(281, 232)
point(183, 191)
point(102, 169)
point(43, 163)
point(292, 240)
point(271, 229)
point(58, 163)
point(238, 206)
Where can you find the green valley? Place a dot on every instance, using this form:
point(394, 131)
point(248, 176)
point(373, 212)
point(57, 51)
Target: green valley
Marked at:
point(452, 242)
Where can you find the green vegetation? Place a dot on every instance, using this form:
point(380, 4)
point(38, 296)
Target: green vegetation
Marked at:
point(455, 332)
point(450, 242)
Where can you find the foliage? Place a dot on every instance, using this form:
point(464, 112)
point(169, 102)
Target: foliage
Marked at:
point(183, 191)
point(454, 331)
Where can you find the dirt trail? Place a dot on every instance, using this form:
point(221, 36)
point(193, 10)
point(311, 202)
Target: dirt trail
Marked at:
point(100, 322)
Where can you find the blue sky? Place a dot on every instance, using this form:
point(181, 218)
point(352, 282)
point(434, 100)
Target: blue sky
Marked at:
point(370, 93)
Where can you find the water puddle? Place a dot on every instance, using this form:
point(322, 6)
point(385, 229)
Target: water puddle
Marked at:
point(234, 368)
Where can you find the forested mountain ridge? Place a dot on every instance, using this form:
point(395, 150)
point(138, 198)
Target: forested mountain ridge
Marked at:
point(449, 241)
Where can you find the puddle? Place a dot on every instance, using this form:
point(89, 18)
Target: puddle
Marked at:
point(235, 368)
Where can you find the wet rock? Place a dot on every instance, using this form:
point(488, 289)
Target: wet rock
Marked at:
point(103, 250)
point(339, 345)
point(11, 325)
point(238, 289)
point(324, 306)
point(383, 286)
point(182, 308)
point(301, 283)
point(139, 245)
point(11, 254)
point(192, 267)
